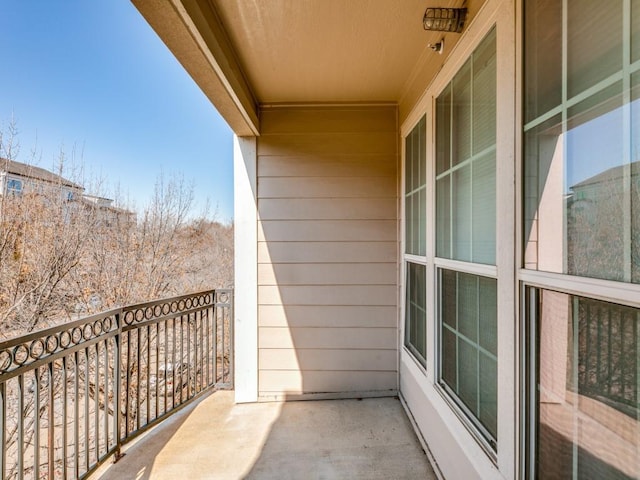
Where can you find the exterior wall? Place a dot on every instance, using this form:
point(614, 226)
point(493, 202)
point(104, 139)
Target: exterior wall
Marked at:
point(327, 252)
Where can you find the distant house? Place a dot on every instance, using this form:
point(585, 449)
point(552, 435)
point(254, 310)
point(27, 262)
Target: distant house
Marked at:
point(17, 178)
point(20, 178)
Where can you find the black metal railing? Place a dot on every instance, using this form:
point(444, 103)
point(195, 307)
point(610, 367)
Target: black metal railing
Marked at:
point(608, 353)
point(72, 395)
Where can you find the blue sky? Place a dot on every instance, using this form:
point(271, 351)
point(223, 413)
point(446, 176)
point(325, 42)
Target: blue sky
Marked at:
point(92, 76)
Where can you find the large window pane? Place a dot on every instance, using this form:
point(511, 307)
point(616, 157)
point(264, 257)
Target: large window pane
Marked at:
point(415, 190)
point(579, 214)
point(466, 160)
point(469, 345)
point(587, 409)
point(415, 311)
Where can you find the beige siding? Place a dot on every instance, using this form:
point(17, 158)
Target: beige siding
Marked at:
point(327, 250)
point(358, 316)
point(325, 274)
point(327, 230)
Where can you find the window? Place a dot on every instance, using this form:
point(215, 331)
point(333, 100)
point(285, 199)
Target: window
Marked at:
point(415, 174)
point(14, 186)
point(416, 308)
point(466, 232)
point(585, 397)
point(466, 160)
point(582, 139)
point(468, 310)
point(581, 213)
point(415, 241)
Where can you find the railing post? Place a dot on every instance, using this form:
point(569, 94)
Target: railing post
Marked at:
point(3, 421)
point(231, 338)
point(117, 372)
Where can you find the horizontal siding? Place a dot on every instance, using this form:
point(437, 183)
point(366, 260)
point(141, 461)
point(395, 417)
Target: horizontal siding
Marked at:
point(294, 381)
point(328, 209)
point(317, 187)
point(327, 273)
point(327, 250)
point(327, 338)
point(327, 295)
point(344, 166)
point(335, 359)
point(328, 230)
point(293, 316)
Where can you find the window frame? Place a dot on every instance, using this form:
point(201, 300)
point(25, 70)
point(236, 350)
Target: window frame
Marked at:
point(482, 434)
point(487, 442)
point(12, 189)
point(413, 258)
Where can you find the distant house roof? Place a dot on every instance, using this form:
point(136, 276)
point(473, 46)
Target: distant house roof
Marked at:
point(36, 173)
point(613, 173)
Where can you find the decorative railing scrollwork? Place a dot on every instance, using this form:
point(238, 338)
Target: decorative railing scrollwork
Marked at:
point(71, 395)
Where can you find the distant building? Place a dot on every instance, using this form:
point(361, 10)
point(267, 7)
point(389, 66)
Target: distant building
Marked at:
point(20, 178)
point(17, 178)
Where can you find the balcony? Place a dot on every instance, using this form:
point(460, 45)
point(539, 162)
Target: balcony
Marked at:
point(148, 386)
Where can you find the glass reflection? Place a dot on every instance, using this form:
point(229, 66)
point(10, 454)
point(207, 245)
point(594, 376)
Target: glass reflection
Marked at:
point(587, 405)
point(581, 182)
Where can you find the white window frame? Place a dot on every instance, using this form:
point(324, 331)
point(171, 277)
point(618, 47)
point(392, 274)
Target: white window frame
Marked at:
point(412, 258)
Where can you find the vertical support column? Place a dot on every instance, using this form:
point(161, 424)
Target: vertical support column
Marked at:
point(246, 269)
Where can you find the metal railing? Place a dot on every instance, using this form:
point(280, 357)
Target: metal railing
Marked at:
point(608, 353)
point(72, 395)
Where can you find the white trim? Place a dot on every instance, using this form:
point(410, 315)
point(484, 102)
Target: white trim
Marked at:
point(241, 85)
point(467, 267)
point(246, 269)
point(421, 439)
point(521, 372)
point(606, 290)
point(415, 259)
point(506, 158)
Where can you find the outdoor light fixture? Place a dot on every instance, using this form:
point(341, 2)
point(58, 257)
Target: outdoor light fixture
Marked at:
point(444, 19)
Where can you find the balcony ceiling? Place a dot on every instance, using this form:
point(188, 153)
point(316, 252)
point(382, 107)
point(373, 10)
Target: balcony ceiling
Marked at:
point(249, 53)
point(326, 50)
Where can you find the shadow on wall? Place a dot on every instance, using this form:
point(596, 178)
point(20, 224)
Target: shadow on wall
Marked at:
point(328, 251)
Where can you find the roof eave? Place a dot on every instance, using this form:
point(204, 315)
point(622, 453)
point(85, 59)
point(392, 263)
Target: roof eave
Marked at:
point(193, 32)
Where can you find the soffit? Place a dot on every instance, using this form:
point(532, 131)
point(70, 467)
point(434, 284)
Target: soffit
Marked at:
point(295, 51)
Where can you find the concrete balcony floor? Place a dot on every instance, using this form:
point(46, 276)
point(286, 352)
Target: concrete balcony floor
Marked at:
point(328, 439)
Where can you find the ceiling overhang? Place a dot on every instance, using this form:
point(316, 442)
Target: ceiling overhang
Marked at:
point(247, 53)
